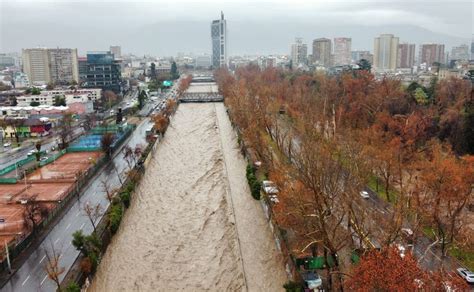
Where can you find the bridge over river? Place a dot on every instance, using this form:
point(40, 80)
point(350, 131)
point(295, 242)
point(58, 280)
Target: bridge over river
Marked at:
point(202, 89)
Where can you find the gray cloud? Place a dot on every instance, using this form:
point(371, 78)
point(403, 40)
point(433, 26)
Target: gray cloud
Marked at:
point(166, 27)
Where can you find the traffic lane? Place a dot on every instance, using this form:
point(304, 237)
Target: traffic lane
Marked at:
point(22, 154)
point(31, 274)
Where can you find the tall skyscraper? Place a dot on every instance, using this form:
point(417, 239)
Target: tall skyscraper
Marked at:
point(342, 51)
point(406, 56)
point(460, 52)
point(44, 65)
point(219, 42)
point(322, 52)
point(299, 52)
point(385, 52)
point(431, 53)
point(103, 71)
point(116, 51)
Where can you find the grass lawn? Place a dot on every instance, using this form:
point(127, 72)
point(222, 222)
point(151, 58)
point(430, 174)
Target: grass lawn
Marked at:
point(464, 256)
point(372, 183)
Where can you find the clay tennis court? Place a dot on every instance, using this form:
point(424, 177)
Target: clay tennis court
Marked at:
point(67, 166)
point(42, 185)
point(12, 217)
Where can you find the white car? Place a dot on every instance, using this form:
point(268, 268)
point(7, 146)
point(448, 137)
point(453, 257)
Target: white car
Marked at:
point(364, 194)
point(271, 190)
point(44, 158)
point(466, 275)
point(111, 111)
point(31, 152)
point(312, 280)
point(269, 187)
point(7, 145)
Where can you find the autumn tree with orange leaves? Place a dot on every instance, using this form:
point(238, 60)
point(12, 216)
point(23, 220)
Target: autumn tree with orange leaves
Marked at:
point(445, 188)
point(387, 270)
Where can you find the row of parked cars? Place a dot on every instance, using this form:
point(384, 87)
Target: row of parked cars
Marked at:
point(313, 280)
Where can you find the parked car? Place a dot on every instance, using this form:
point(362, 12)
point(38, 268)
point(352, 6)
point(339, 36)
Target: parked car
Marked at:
point(466, 275)
point(8, 144)
point(364, 194)
point(31, 152)
point(271, 190)
point(44, 158)
point(312, 280)
point(269, 187)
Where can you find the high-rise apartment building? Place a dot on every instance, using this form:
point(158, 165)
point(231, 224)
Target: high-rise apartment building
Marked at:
point(58, 66)
point(116, 51)
point(322, 52)
point(36, 65)
point(385, 52)
point(460, 52)
point(63, 66)
point(219, 42)
point(299, 52)
point(431, 53)
point(103, 71)
point(406, 56)
point(359, 55)
point(342, 51)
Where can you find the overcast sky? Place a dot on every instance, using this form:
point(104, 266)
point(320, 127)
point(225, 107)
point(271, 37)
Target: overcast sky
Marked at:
point(254, 26)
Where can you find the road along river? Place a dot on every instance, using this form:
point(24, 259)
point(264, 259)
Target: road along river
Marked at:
point(193, 225)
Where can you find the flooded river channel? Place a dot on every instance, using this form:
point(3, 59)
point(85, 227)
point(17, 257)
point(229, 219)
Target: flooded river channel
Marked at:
point(193, 225)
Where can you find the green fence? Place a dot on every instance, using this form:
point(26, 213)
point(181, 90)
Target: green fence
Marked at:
point(7, 180)
point(53, 158)
point(108, 129)
point(82, 149)
point(18, 164)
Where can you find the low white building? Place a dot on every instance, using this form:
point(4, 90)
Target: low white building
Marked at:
point(47, 97)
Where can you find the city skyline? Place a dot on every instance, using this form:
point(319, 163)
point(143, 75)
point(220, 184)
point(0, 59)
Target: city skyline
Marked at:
point(139, 31)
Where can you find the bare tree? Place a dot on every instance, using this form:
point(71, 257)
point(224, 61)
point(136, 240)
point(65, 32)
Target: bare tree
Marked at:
point(109, 192)
point(93, 212)
point(52, 266)
point(65, 129)
point(129, 156)
point(34, 212)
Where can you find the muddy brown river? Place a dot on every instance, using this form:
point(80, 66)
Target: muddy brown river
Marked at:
point(193, 225)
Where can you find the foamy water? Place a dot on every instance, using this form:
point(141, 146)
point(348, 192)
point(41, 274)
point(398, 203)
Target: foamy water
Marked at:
point(193, 225)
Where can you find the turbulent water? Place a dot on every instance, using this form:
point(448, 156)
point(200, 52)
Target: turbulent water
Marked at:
point(193, 225)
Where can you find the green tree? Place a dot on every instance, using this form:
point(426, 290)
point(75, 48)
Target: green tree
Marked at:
point(174, 71)
point(420, 96)
point(431, 91)
point(13, 101)
point(73, 287)
point(35, 91)
point(38, 150)
point(59, 100)
point(34, 103)
point(50, 86)
point(153, 71)
point(141, 99)
point(364, 65)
